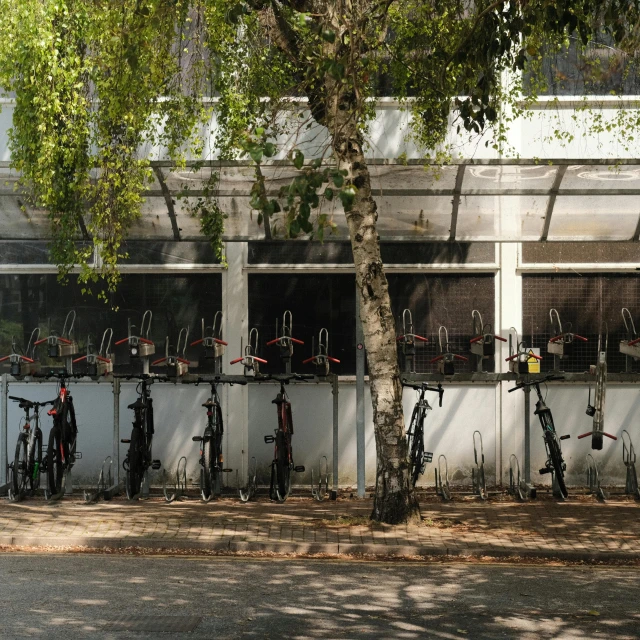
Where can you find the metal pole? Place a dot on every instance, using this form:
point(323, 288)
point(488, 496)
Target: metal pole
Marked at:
point(335, 391)
point(116, 430)
point(3, 430)
point(360, 355)
point(527, 434)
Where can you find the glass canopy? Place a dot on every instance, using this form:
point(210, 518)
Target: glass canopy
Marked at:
point(477, 200)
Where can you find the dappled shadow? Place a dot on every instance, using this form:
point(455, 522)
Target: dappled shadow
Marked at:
point(315, 599)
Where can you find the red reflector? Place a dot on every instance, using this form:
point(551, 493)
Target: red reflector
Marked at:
point(27, 427)
point(209, 413)
point(53, 412)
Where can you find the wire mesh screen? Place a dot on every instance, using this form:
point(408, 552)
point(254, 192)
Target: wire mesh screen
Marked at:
point(443, 300)
point(30, 301)
point(585, 304)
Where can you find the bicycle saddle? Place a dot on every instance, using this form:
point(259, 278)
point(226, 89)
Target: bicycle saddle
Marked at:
point(209, 404)
point(138, 404)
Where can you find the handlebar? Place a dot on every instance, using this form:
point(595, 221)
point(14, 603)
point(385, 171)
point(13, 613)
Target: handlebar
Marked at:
point(216, 340)
point(538, 381)
point(285, 377)
point(281, 338)
point(572, 335)
point(426, 387)
point(31, 402)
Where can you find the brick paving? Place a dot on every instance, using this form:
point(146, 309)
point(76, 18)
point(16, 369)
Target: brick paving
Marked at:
point(577, 529)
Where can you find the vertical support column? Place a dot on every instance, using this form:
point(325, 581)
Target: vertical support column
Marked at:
point(509, 435)
point(335, 391)
point(235, 323)
point(3, 431)
point(360, 441)
point(527, 435)
point(115, 456)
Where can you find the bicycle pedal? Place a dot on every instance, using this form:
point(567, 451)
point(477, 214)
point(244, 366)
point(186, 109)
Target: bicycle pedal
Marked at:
point(564, 437)
point(227, 470)
point(543, 471)
point(197, 438)
point(156, 464)
point(269, 439)
point(125, 440)
point(77, 455)
point(299, 468)
point(428, 456)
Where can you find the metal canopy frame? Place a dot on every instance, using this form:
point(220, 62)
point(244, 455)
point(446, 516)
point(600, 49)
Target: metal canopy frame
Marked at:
point(463, 179)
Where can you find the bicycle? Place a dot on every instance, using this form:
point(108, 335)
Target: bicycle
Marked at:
point(27, 464)
point(555, 463)
point(61, 450)
point(211, 457)
point(418, 458)
point(138, 458)
point(282, 465)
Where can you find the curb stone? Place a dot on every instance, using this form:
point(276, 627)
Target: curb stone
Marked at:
point(231, 547)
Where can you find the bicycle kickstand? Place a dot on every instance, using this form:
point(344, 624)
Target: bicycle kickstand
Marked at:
point(180, 484)
point(104, 483)
point(323, 480)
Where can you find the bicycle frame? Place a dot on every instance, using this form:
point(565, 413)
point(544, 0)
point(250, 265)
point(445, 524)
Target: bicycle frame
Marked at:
point(68, 442)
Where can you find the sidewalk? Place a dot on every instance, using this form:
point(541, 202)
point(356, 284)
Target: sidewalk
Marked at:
point(576, 530)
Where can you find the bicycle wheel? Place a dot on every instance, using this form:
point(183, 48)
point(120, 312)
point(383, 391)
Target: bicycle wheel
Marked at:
point(412, 427)
point(556, 460)
point(55, 456)
point(283, 467)
point(208, 464)
point(20, 474)
point(135, 472)
point(70, 433)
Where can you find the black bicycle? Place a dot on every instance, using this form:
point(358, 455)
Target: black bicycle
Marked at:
point(61, 451)
point(138, 458)
point(27, 463)
point(555, 463)
point(282, 465)
point(418, 458)
point(211, 457)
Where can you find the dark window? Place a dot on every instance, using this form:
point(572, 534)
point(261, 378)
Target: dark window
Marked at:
point(170, 252)
point(442, 300)
point(584, 303)
point(30, 301)
point(316, 302)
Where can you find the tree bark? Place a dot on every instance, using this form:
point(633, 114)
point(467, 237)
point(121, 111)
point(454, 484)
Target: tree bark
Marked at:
point(394, 500)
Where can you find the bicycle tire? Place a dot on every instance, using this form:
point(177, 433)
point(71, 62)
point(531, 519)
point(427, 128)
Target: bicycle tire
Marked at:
point(135, 472)
point(417, 455)
point(412, 427)
point(555, 454)
point(55, 466)
point(37, 463)
point(20, 471)
point(283, 466)
point(70, 433)
point(207, 450)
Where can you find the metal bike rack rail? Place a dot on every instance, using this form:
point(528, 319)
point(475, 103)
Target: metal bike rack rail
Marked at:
point(180, 487)
point(517, 486)
point(629, 460)
point(321, 492)
point(248, 493)
point(593, 479)
point(105, 487)
point(442, 486)
point(478, 480)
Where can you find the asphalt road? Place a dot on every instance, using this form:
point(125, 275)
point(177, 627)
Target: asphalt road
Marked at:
point(101, 596)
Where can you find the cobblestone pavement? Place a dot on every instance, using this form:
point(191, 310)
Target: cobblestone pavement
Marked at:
point(577, 529)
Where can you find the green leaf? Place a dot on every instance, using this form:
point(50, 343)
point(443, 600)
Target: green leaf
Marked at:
point(328, 193)
point(347, 197)
point(270, 149)
point(329, 35)
point(256, 154)
point(338, 180)
point(298, 159)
